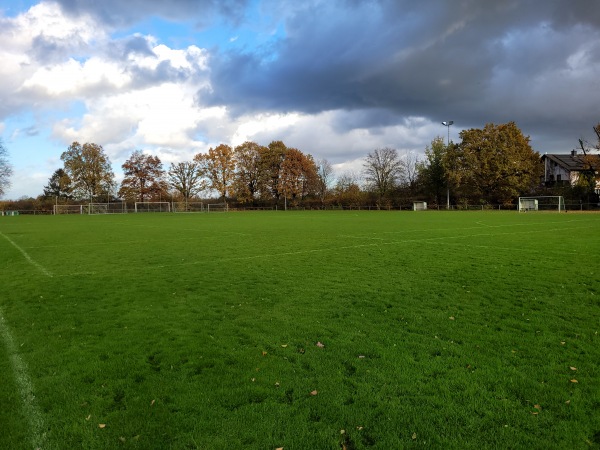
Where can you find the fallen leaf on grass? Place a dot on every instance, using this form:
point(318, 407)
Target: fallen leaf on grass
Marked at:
point(152, 402)
point(414, 436)
point(568, 402)
point(264, 353)
point(573, 368)
point(279, 448)
point(451, 317)
point(284, 345)
point(320, 344)
point(315, 392)
point(88, 417)
point(359, 428)
point(101, 425)
point(122, 439)
point(538, 407)
point(574, 381)
point(361, 356)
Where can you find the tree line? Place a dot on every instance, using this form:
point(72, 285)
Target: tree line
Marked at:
point(247, 174)
point(492, 165)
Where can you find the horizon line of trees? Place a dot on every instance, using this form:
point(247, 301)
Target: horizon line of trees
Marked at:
point(493, 165)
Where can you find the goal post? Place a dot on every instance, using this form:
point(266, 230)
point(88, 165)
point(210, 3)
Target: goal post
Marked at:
point(189, 207)
point(216, 207)
point(152, 207)
point(69, 209)
point(107, 208)
point(542, 203)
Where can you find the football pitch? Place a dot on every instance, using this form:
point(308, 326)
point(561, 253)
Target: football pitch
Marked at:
point(300, 330)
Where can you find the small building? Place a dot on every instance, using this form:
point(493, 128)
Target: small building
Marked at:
point(566, 169)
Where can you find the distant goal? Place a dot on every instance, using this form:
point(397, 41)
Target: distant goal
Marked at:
point(543, 203)
point(216, 207)
point(188, 207)
point(149, 207)
point(70, 209)
point(107, 208)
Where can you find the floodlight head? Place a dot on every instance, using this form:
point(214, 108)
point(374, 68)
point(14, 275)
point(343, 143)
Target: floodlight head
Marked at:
point(448, 123)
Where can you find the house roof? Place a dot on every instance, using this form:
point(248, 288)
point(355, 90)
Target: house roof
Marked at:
point(572, 163)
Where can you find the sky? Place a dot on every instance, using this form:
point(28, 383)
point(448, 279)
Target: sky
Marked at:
point(334, 78)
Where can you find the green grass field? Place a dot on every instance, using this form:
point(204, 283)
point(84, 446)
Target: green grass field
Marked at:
point(301, 330)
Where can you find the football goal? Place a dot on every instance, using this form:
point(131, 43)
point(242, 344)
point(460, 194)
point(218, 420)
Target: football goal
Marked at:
point(419, 206)
point(216, 207)
point(69, 209)
point(542, 203)
point(107, 208)
point(152, 207)
point(180, 207)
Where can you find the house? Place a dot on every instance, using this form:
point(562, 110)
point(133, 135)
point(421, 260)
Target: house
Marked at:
point(563, 169)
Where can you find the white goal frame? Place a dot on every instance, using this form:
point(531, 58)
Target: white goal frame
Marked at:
point(541, 203)
point(152, 207)
point(188, 207)
point(419, 206)
point(217, 207)
point(107, 208)
point(68, 209)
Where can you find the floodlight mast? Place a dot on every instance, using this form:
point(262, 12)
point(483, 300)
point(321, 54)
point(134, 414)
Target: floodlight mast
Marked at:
point(447, 124)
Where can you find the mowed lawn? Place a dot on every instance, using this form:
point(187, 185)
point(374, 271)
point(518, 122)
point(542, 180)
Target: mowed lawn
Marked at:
point(300, 330)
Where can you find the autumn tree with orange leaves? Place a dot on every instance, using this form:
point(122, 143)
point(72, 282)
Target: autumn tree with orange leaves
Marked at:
point(298, 175)
point(143, 177)
point(249, 173)
point(219, 164)
point(271, 162)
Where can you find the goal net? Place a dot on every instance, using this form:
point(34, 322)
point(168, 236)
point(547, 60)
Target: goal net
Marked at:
point(69, 209)
point(152, 207)
point(107, 208)
point(543, 203)
point(179, 207)
point(216, 207)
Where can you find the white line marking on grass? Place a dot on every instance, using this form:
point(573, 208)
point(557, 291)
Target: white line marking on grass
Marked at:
point(27, 257)
point(37, 436)
point(367, 238)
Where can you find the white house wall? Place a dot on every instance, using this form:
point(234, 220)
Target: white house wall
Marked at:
point(553, 170)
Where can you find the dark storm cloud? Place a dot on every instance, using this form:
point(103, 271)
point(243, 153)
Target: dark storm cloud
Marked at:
point(473, 61)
